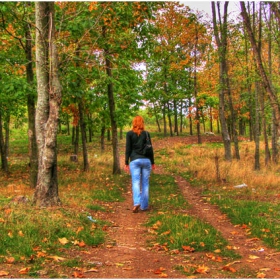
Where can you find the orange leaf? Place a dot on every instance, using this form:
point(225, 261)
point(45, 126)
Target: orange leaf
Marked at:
point(188, 248)
point(202, 269)
point(3, 273)
point(82, 244)
point(229, 268)
point(24, 270)
point(10, 260)
point(260, 275)
point(78, 274)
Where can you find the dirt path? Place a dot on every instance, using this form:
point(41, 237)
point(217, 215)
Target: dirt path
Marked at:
point(127, 255)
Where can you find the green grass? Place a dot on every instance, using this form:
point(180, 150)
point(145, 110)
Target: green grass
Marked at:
point(173, 228)
point(23, 232)
point(260, 219)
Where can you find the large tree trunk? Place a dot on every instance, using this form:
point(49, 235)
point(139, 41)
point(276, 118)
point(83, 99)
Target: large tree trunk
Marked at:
point(222, 48)
point(49, 100)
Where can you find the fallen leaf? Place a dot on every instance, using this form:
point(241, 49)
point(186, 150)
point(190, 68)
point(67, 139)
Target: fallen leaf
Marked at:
point(166, 232)
point(202, 269)
point(63, 240)
point(163, 275)
point(229, 268)
point(56, 258)
point(265, 269)
point(2, 220)
point(82, 244)
point(92, 270)
point(78, 274)
point(3, 273)
point(277, 269)
point(260, 275)
point(24, 270)
point(188, 248)
point(20, 233)
point(156, 225)
point(252, 257)
point(217, 251)
point(10, 260)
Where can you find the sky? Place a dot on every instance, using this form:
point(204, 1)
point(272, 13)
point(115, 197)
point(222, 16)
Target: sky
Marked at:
point(206, 6)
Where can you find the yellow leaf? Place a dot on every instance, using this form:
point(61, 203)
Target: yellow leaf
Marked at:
point(56, 258)
point(217, 251)
point(92, 270)
point(166, 232)
point(3, 273)
point(10, 234)
point(252, 257)
point(2, 220)
point(20, 233)
point(63, 240)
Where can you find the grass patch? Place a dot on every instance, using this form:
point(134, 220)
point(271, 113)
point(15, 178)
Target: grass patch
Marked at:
point(259, 219)
point(173, 228)
point(24, 234)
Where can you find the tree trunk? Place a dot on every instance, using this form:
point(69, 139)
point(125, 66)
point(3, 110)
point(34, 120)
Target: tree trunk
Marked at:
point(49, 100)
point(76, 134)
point(112, 110)
point(84, 138)
point(222, 48)
point(197, 117)
point(4, 160)
point(176, 128)
point(33, 154)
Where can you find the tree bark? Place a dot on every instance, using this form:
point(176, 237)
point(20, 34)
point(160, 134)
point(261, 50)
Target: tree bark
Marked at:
point(83, 132)
point(4, 160)
point(33, 154)
point(222, 47)
point(112, 109)
point(49, 100)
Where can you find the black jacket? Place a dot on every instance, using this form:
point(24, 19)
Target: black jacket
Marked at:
point(134, 146)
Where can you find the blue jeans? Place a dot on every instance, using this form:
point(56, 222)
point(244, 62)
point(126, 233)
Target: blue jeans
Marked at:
point(140, 170)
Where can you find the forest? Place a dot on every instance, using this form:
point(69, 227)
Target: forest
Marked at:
point(90, 66)
point(74, 74)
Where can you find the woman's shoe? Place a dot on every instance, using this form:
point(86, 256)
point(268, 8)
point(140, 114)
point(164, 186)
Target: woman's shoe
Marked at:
point(136, 209)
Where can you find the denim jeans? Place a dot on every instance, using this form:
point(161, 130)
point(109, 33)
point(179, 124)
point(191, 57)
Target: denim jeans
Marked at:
point(140, 170)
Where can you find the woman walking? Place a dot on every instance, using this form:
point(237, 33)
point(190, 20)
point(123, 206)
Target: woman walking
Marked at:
point(139, 163)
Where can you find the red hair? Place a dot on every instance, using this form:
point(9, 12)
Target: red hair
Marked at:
point(138, 125)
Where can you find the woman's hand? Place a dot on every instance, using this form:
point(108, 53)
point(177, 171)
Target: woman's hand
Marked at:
point(126, 168)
